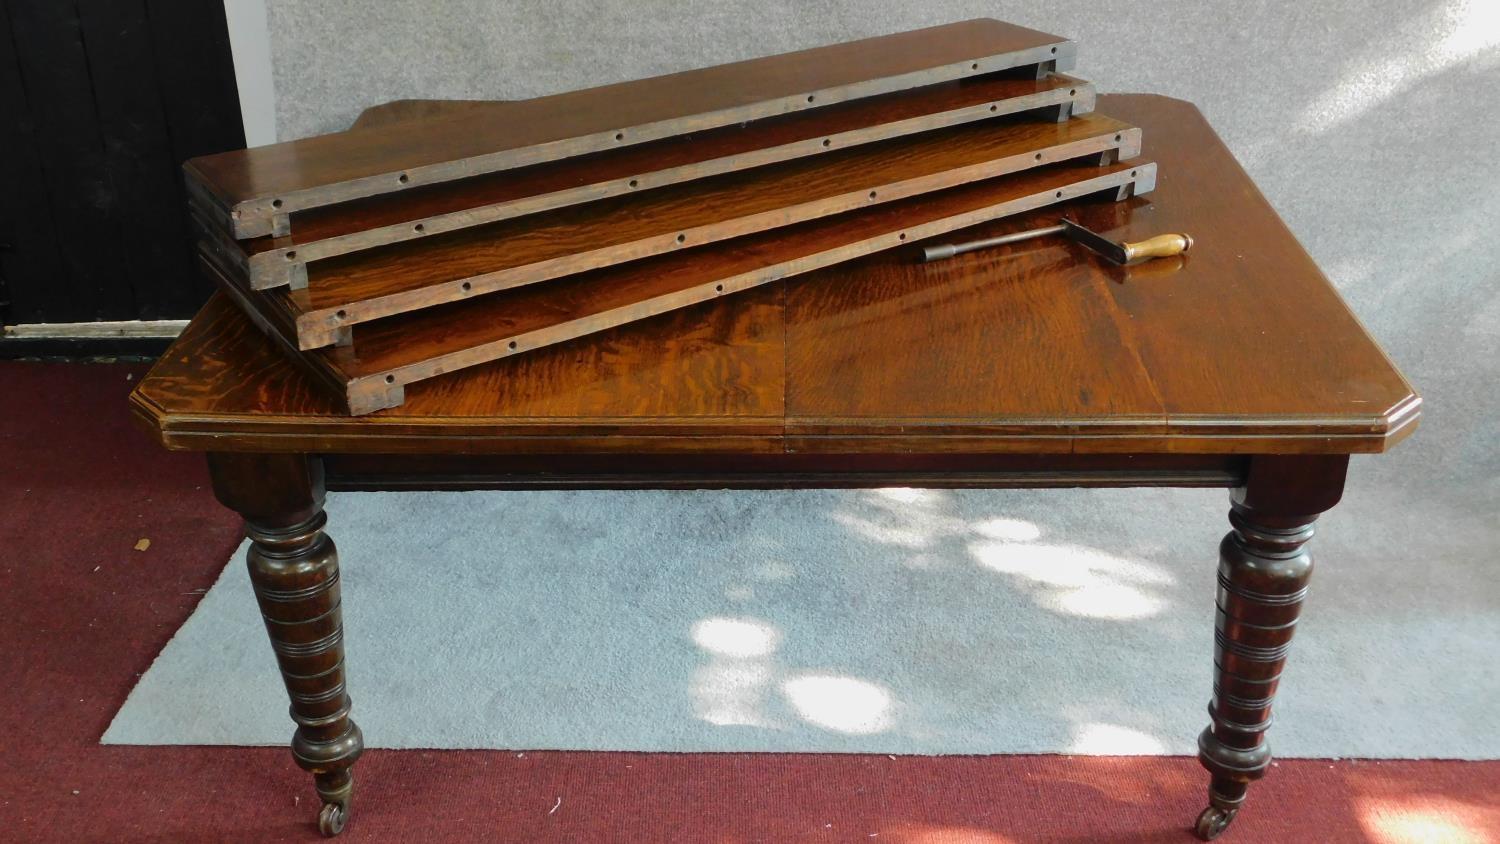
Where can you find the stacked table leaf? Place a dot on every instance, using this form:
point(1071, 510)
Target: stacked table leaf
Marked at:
point(400, 261)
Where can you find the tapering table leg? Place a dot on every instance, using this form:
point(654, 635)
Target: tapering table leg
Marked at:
point(1264, 568)
point(294, 569)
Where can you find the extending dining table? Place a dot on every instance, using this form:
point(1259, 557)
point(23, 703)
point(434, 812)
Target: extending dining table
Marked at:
point(1038, 364)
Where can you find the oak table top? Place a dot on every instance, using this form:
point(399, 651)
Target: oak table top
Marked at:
point(1241, 346)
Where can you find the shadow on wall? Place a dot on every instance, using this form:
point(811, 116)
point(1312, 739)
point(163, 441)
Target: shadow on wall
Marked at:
point(1377, 168)
point(1454, 33)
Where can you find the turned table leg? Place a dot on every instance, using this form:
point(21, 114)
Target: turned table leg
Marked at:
point(294, 569)
point(1263, 574)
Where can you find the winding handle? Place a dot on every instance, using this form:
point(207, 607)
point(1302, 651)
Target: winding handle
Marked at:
point(1161, 246)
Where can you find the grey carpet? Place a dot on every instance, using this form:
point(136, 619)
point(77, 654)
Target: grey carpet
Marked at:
point(889, 621)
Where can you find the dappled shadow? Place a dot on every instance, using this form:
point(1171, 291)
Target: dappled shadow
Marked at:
point(741, 685)
point(1072, 579)
point(1076, 580)
point(929, 621)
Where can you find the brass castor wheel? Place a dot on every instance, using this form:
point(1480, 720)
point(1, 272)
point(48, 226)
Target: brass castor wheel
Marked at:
point(332, 818)
point(1212, 822)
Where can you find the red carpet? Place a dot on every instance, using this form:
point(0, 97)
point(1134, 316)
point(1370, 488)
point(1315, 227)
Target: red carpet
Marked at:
point(82, 614)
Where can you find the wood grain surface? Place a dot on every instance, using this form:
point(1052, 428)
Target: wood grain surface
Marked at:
point(252, 191)
point(1239, 347)
point(388, 354)
point(431, 210)
point(379, 283)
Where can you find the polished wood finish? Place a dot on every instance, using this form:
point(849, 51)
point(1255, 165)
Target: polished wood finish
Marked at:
point(294, 569)
point(470, 262)
point(252, 192)
point(372, 369)
point(1035, 347)
point(1239, 345)
point(1036, 364)
point(1264, 570)
point(341, 229)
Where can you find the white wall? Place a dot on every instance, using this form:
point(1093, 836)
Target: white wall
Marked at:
point(249, 38)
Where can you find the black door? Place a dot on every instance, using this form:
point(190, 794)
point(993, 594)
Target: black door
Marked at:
point(100, 103)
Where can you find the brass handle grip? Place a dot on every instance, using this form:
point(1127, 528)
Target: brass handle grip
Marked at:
point(1161, 246)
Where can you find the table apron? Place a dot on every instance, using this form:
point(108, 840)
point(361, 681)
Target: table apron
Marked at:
point(779, 471)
